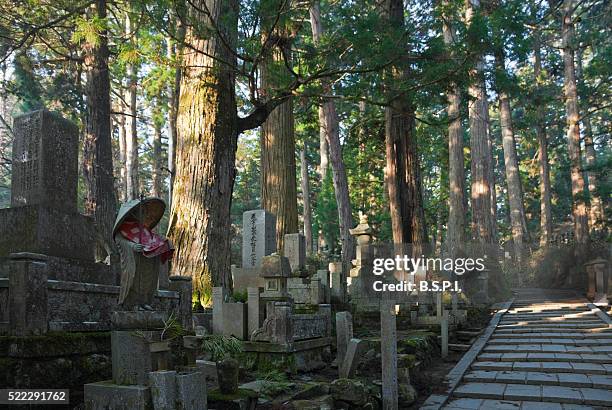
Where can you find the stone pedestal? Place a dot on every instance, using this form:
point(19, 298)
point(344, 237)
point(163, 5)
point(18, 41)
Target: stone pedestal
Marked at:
point(27, 294)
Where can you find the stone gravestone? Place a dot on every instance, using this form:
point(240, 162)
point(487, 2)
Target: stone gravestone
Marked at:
point(258, 237)
point(388, 334)
point(344, 334)
point(45, 161)
point(43, 217)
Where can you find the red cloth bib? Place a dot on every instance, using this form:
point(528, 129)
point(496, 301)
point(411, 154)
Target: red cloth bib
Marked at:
point(153, 244)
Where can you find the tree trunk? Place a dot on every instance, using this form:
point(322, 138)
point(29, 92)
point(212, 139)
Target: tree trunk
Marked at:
point(596, 212)
point(131, 140)
point(402, 173)
point(173, 53)
point(579, 208)
point(306, 198)
point(482, 218)
point(513, 178)
point(545, 201)
point(122, 152)
point(317, 32)
point(278, 170)
point(455, 233)
point(207, 127)
point(329, 128)
point(97, 145)
point(157, 183)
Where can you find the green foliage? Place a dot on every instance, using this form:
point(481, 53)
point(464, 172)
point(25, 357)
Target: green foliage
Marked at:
point(221, 347)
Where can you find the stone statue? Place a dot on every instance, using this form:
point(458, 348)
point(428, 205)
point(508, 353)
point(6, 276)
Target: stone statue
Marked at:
point(142, 251)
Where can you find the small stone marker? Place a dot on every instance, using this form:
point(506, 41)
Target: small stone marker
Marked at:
point(351, 359)
point(344, 334)
point(439, 304)
point(388, 334)
point(163, 389)
point(227, 374)
point(444, 333)
point(191, 391)
point(218, 299)
point(27, 295)
point(258, 237)
point(294, 249)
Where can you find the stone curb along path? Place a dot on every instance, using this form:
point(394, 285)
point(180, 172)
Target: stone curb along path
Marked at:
point(546, 349)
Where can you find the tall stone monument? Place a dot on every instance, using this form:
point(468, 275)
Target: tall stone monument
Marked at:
point(258, 237)
point(43, 217)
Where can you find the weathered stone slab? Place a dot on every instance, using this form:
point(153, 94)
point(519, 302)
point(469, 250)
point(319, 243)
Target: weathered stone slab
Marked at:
point(131, 355)
point(481, 390)
point(561, 394)
point(294, 249)
point(522, 392)
point(388, 333)
point(218, 299)
point(255, 309)
point(258, 237)
point(163, 389)
point(208, 369)
point(344, 334)
point(235, 320)
point(183, 286)
point(191, 391)
point(106, 395)
point(354, 352)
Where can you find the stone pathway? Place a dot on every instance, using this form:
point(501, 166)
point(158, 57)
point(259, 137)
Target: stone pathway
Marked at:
point(550, 350)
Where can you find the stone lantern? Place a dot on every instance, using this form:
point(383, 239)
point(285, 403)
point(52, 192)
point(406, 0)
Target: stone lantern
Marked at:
point(363, 231)
point(275, 269)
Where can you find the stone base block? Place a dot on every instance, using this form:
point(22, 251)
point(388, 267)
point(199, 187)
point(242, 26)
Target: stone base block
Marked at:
point(208, 369)
point(244, 278)
point(300, 356)
point(191, 391)
point(108, 396)
point(36, 229)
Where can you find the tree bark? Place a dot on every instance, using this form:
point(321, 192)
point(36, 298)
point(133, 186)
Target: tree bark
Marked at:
point(278, 170)
point(101, 201)
point(596, 212)
point(207, 127)
point(330, 129)
point(317, 32)
point(174, 52)
point(402, 172)
point(513, 178)
point(157, 182)
point(579, 208)
point(482, 218)
point(131, 140)
point(122, 152)
point(545, 201)
point(306, 199)
point(455, 233)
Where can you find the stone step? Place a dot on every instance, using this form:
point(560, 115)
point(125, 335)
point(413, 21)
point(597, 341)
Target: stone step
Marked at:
point(519, 392)
point(458, 347)
point(586, 313)
point(555, 319)
point(589, 325)
point(546, 348)
point(535, 329)
point(488, 404)
point(603, 335)
point(599, 381)
point(545, 367)
point(568, 342)
point(546, 357)
point(546, 311)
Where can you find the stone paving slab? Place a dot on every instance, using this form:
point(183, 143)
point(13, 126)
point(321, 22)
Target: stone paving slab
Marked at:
point(560, 394)
point(481, 390)
point(597, 397)
point(523, 392)
point(601, 381)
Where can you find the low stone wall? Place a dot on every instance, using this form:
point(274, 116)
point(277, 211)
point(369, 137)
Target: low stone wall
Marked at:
point(55, 360)
point(75, 306)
